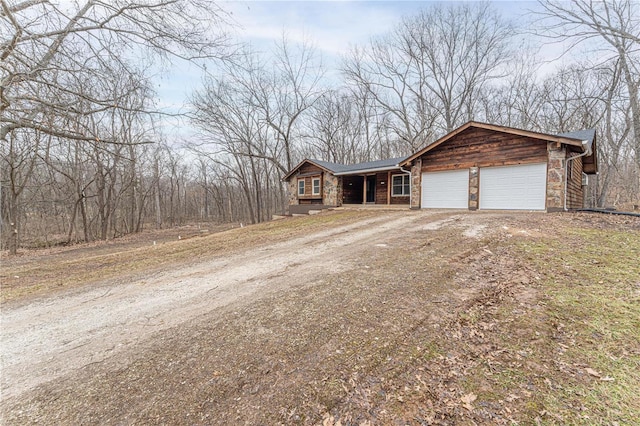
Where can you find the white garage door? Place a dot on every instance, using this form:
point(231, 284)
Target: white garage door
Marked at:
point(521, 187)
point(445, 190)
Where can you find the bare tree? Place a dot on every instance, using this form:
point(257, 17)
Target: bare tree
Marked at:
point(251, 118)
point(516, 100)
point(46, 47)
point(337, 130)
point(614, 25)
point(381, 72)
point(286, 92)
point(429, 71)
point(570, 99)
point(20, 159)
point(615, 131)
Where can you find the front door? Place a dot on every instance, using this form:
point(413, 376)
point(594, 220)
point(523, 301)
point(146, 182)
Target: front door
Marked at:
point(371, 189)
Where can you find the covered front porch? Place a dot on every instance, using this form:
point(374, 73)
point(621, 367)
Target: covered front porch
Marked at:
point(385, 188)
point(317, 185)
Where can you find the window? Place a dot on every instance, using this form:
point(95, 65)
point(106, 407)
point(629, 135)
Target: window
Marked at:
point(316, 186)
point(570, 171)
point(300, 186)
point(400, 185)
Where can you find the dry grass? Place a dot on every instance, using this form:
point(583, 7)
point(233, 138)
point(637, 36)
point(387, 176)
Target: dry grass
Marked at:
point(536, 323)
point(83, 265)
point(592, 295)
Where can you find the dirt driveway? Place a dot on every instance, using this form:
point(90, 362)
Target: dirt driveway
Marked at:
point(238, 336)
point(54, 336)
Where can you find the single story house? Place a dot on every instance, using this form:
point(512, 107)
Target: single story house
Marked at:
point(316, 184)
point(477, 166)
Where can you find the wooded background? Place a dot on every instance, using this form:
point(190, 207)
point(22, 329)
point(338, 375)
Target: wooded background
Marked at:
point(83, 156)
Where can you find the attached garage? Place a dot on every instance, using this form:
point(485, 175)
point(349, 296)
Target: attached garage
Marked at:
point(445, 190)
point(518, 187)
point(484, 166)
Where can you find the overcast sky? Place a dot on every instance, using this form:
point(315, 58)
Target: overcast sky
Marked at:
point(332, 26)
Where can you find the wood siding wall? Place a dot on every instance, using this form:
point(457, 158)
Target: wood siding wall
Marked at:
point(352, 189)
point(575, 196)
point(309, 168)
point(308, 172)
point(398, 199)
point(404, 199)
point(382, 190)
point(484, 148)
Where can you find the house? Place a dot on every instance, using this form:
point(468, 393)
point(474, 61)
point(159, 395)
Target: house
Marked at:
point(315, 184)
point(477, 166)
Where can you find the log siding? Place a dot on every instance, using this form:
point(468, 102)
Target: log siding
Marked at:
point(476, 147)
point(352, 189)
point(308, 172)
point(382, 183)
point(575, 194)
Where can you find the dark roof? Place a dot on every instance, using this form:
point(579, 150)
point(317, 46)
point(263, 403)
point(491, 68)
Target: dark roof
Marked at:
point(584, 135)
point(590, 162)
point(342, 169)
point(369, 165)
point(332, 167)
point(571, 138)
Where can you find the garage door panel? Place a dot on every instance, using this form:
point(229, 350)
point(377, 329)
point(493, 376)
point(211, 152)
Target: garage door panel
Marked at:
point(445, 190)
point(521, 187)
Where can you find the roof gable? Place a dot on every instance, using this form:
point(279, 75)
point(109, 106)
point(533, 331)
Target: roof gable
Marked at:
point(324, 165)
point(563, 139)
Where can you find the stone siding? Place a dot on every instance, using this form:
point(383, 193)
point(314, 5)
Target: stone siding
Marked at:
point(292, 190)
point(416, 183)
point(474, 186)
point(555, 176)
point(331, 191)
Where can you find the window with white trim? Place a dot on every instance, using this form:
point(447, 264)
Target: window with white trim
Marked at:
point(400, 185)
point(300, 186)
point(315, 186)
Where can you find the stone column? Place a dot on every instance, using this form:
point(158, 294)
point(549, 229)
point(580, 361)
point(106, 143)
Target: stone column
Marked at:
point(292, 189)
point(473, 188)
point(416, 183)
point(330, 190)
point(555, 176)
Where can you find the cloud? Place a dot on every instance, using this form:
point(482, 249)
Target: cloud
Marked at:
point(333, 26)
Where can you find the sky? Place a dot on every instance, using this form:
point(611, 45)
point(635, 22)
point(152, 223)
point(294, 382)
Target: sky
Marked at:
point(332, 26)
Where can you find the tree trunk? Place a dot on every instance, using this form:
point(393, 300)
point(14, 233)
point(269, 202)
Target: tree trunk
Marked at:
point(14, 220)
point(634, 103)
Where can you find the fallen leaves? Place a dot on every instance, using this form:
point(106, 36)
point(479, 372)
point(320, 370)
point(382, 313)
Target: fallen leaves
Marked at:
point(592, 372)
point(467, 400)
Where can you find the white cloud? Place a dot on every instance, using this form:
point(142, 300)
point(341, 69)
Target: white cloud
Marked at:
point(333, 26)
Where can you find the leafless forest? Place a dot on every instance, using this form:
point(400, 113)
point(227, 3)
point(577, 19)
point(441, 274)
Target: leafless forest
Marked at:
point(84, 157)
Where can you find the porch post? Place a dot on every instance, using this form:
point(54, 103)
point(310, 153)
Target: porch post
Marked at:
point(388, 188)
point(364, 189)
